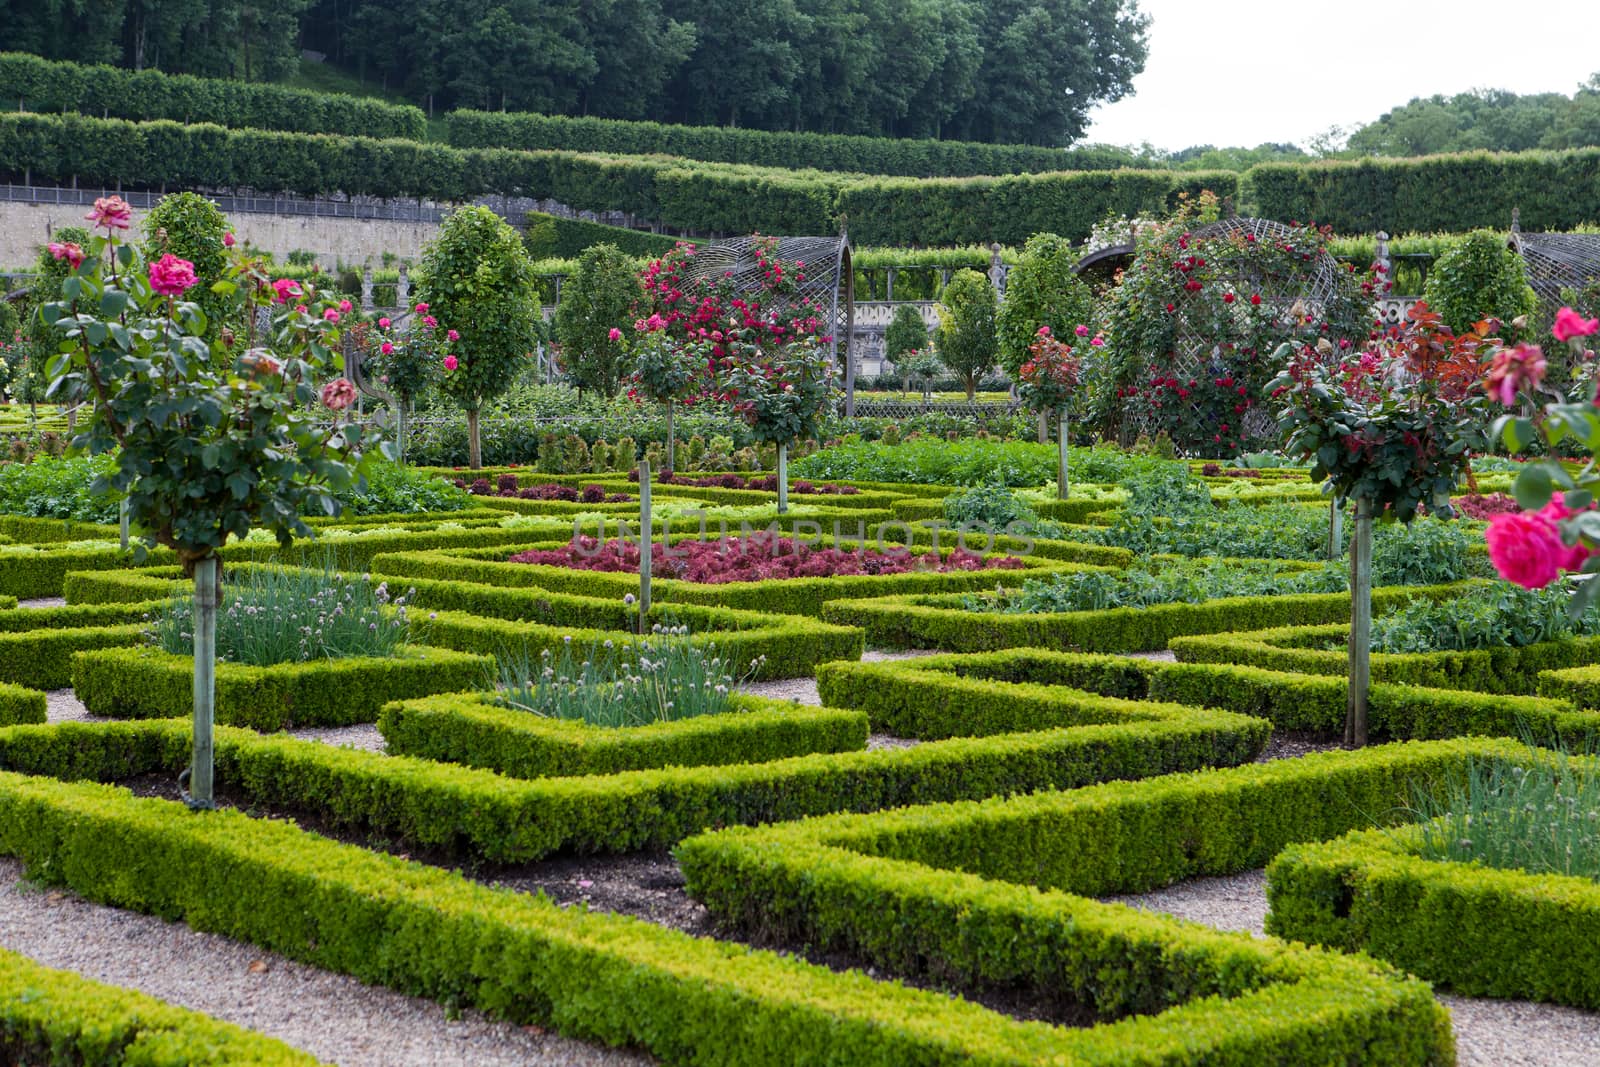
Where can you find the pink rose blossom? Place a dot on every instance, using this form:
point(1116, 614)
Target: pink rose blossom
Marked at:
point(339, 394)
point(171, 276)
point(614, 334)
point(1081, 330)
point(451, 363)
point(383, 323)
point(1512, 369)
point(344, 305)
point(1525, 549)
point(283, 289)
point(227, 240)
point(330, 314)
point(386, 348)
point(422, 309)
point(429, 321)
point(111, 212)
point(451, 335)
point(1098, 342)
point(68, 251)
point(1570, 324)
point(1044, 331)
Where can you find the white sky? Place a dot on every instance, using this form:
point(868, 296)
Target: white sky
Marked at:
point(1240, 72)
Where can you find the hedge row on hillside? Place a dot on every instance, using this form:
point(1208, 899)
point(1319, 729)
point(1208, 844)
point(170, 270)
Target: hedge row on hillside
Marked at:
point(798, 151)
point(957, 211)
point(28, 83)
point(701, 197)
point(551, 237)
point(1449, 194)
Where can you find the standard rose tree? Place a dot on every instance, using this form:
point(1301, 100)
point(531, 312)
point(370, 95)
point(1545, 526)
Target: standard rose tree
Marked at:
point(407, 361)
point(780, 389)
point(1558, 530)
point(1390, 428)
point(665, 369)
point(1048, 380)
point(211, 439)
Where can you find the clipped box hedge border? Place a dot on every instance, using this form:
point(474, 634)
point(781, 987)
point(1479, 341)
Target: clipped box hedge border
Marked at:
point(976, 895)
point(908, 694)
point(1294, 649)
point(474, 731)
point(940, 622)
point(58, 1017)
point(433, 933)
point(1480, 931)
point(140, 683)
point(506, 820)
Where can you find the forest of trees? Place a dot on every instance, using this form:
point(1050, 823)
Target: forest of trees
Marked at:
point(1490, 119)
point(1016, 71)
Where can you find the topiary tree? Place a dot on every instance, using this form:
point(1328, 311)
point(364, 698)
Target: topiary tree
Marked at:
point(1480, 277)
point(966, 341)
point(907, 333)
point(192, 228)
point(597, 302)
point(1042, 289)
point(476, 277)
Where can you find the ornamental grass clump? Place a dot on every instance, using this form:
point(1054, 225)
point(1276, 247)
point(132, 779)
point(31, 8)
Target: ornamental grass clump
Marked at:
point(1543, 818)
point(661, 678)
point(276, 615)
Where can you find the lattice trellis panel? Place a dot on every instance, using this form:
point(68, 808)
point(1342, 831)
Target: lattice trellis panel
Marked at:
point(1557, 261)
point(829, 280)
point(1197, 355)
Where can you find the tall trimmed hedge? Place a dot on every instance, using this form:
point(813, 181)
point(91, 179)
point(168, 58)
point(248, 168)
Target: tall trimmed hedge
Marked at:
point(1450, 194)
point(698, 197)
point(955, 211)
point(29, 83)
point(820, 151)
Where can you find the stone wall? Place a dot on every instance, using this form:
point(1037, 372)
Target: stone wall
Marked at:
point(349, 242)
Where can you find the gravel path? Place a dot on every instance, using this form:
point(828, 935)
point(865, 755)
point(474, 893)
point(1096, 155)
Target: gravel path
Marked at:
point(1489, 1033)
point(331, 1016)
point(43, 602)
point(63, 705)
point(804, 690)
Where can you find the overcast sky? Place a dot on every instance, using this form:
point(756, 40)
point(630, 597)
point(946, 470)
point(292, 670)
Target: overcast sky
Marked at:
point(1240, 72)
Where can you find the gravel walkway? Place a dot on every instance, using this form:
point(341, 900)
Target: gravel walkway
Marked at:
point(1489, 1033)
point(331, 1016)
point(63, 705)
point(804, 690)
point(43, 602)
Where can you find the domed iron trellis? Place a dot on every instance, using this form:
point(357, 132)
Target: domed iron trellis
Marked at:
point(1195, 350)
point(828, 285)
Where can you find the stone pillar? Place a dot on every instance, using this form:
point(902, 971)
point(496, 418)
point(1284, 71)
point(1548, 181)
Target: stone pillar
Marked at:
point(402, 290)
point(366, 288)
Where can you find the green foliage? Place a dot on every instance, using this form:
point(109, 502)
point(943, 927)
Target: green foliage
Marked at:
point(1498, 616)
point(472, 731)
point(991, 505)
point(392, 488)
point(1431, 194)
point(1485, 119)
point(46, 1011)
point(553, 237)
point(600, 296)
point(906, 333)
point(34, 84)
point(1042, 289)
point(272, 615)
point(1182, 583)
point(796, 151)
point(1543, 818)
point(476, 276)
point(58, 488)
point(146, 683)
point(1481, 931)
point(1480, 277)
point(934, 462)
point(966, 339)
point(190, 227)
point(662, 677)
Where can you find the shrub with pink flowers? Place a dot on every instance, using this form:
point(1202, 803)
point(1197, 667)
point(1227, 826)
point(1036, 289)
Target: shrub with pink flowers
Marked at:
point(1196, 321)
point(667, 369)
point(1558, 530)
point(760, 557)
point(1394, 424)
